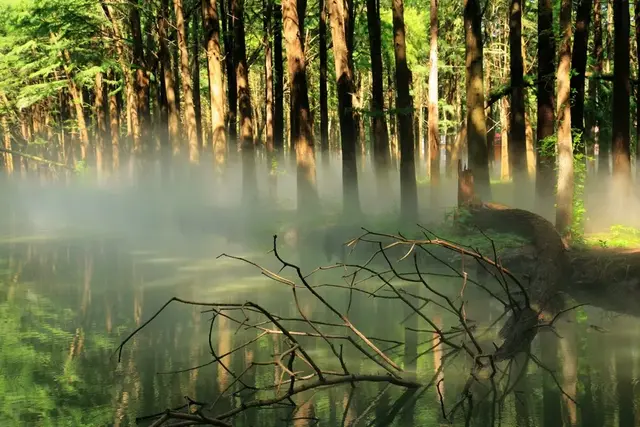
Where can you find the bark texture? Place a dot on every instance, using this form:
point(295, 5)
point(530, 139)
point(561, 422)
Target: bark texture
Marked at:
point(216, 89)
point(564, 197)
point(338, 17)
point(301, 123)
point(476, 121)
point(404, 106)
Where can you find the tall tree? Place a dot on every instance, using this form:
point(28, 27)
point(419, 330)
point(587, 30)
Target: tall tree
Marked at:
point(476, 121)
point(216, 90)
point(187, 85)
point(232, 95)
point(344, 78)
point(249, 184)
point(114, 128)
point(197, 105)
point(517, 138)
point(564, 197)
point(278, 84)
point(404, 106)
point(324, 98)
point(141, 81)
point(545, 181)
point(100, 113)
point(301, 121)
point(434, 143)
point(636, 20)
point(379, 132)
point(268, 96)
point(579, 67)
point(621, 95)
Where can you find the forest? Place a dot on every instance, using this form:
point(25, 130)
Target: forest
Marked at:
point(531, 92)
point(469, 166)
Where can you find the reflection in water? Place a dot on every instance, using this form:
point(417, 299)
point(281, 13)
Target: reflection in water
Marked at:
point(65, 305)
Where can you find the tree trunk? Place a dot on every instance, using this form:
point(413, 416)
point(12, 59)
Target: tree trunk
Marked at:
point(249, 184)
point(278, 84)
point(232, 94)
point(141, 81)
point(564, 198)
point(590, 117)
point(197, 104)
point(301, 123)
point(434, 137)
point(476, 122)
point(324, 106)
point(393, 142)
point(621, 95)
point(173, 112)
point(101, 122)
point(345, 86)
point(637, 27)
point(122, 61)
point(78, 103)
point(579, 67)
point(545, 180)
point(505, 169)
point(6, 142)
point(268, 70)
point(379, 133)
point(404, 106)
point(211, 24)
point(114, 130)
point(517, 136)
point(187, 85)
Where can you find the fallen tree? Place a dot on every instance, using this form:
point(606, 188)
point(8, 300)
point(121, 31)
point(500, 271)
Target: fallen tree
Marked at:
point(603, 277)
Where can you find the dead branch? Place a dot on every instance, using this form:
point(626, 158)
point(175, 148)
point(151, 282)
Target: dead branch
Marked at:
point(300, 371)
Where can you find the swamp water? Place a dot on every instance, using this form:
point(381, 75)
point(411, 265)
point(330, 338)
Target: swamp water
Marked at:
point(68, 299)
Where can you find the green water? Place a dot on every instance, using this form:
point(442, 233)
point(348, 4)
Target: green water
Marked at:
point(67, 302)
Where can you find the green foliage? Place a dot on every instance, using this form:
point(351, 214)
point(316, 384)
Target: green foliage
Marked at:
point(619, 236)
point(579, 178)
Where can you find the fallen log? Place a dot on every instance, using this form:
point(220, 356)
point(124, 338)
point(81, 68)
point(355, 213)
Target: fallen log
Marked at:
point(602, 277)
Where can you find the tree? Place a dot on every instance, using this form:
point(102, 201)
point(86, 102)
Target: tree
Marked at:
point(268, 96)
point(324, 106)
point(197, 105)
point(211, 26)
point(517, 137)
point(173, 112)
point(301, 123)
point(579, 67)
point(344, 79)
point(100, 114)
point(564, 198)
point(232, 90)
point(621, 94)
point(249, 184)
point(434, 138)
point(187, 85)
point(140, 98)
point(278, 84)
point(404, 106)
point(637, 27)
point(379, 131)
point(476, 121)
point(545, 181)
